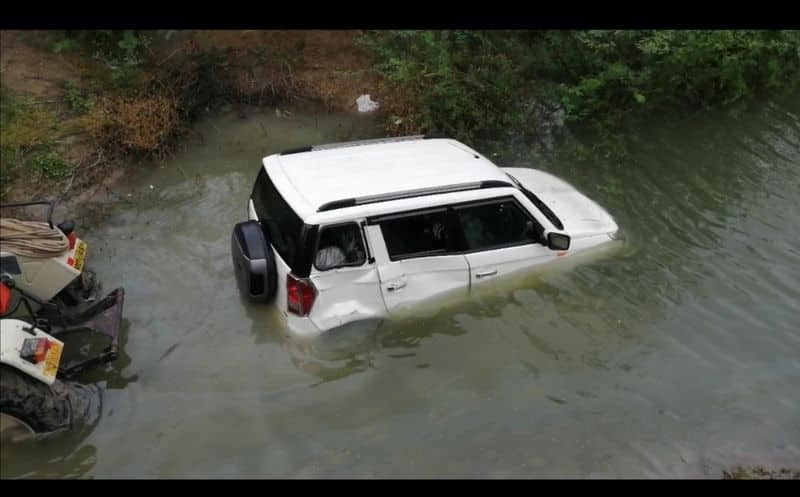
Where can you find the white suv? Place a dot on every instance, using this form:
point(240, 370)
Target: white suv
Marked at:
point(360, 230)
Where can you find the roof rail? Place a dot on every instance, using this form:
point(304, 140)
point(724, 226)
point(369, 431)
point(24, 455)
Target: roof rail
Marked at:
point(357, 143)
point(421, 192)
point(296, 150)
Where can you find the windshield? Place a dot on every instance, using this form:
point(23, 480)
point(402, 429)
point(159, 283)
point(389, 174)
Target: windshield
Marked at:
point(549, 214)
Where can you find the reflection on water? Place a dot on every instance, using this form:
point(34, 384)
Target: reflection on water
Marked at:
point(56, 455)
point(674, 354)
point(112, 375)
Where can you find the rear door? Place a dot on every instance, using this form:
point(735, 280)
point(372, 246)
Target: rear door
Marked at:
point(413, 253)
point(500, 239)
point(345, 277)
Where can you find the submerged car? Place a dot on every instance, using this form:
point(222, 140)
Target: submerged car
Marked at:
point(362, 230)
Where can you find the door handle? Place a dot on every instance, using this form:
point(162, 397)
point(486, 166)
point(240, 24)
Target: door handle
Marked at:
point(395, 286)
point(484, 274)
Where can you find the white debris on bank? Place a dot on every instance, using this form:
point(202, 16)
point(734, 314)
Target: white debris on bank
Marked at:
point(366, 104)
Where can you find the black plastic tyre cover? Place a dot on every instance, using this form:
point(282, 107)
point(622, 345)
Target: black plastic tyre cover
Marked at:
point(253, 261)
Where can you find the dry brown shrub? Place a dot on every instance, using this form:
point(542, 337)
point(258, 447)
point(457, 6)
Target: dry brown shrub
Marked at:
point(141, 123)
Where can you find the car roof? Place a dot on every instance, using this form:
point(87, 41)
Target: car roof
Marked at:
point(320, 178)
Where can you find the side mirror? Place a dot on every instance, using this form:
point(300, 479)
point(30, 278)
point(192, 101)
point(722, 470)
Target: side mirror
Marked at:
point(558, 241)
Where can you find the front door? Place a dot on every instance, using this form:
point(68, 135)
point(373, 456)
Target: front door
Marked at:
point(501, 239)
point(414, 259)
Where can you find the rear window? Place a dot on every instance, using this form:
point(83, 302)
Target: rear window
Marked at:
point(284, 226)
point(340, 246)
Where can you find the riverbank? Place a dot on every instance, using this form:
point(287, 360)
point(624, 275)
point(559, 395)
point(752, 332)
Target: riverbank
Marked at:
point(73, 116)
point(76, 105)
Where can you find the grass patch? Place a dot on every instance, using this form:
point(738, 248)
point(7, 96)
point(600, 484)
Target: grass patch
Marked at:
point(23, 124)
point(27, 135)
point(78, 101)
point(760, 473)
point(51, 164)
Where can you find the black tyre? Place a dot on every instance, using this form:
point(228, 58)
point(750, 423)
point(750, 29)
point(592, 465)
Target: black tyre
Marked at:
point(45, 408)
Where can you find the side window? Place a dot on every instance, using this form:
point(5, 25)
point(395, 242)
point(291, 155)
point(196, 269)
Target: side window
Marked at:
point(339, 246)
point(497, 224)
point(416, 235)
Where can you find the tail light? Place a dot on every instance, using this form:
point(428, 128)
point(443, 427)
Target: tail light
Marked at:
point(71, 239)
point(5, 299)
point(300, 295)
point(34, 350)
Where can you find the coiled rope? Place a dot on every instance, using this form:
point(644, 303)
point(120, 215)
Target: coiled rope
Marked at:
point(32, 238)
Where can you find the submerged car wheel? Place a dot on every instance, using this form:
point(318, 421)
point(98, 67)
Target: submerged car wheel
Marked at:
point(29, 404)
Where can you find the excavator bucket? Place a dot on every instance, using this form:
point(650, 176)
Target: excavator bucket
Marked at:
point(103, 319)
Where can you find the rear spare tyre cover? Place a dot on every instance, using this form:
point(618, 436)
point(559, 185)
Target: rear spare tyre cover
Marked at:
point(253, 261)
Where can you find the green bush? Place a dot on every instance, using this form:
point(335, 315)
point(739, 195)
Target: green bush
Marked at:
point(77, 100)
point(51, 164)
point(121, 51)
point(121, 47)
point(461, 83)
point(601, 73)
point(468, 83)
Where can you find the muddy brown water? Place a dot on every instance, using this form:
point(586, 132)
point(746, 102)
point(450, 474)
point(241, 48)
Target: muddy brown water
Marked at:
point(676, 355)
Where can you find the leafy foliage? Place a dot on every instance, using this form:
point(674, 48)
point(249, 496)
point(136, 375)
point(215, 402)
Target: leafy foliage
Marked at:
point(470, 83)
point(461, 83)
